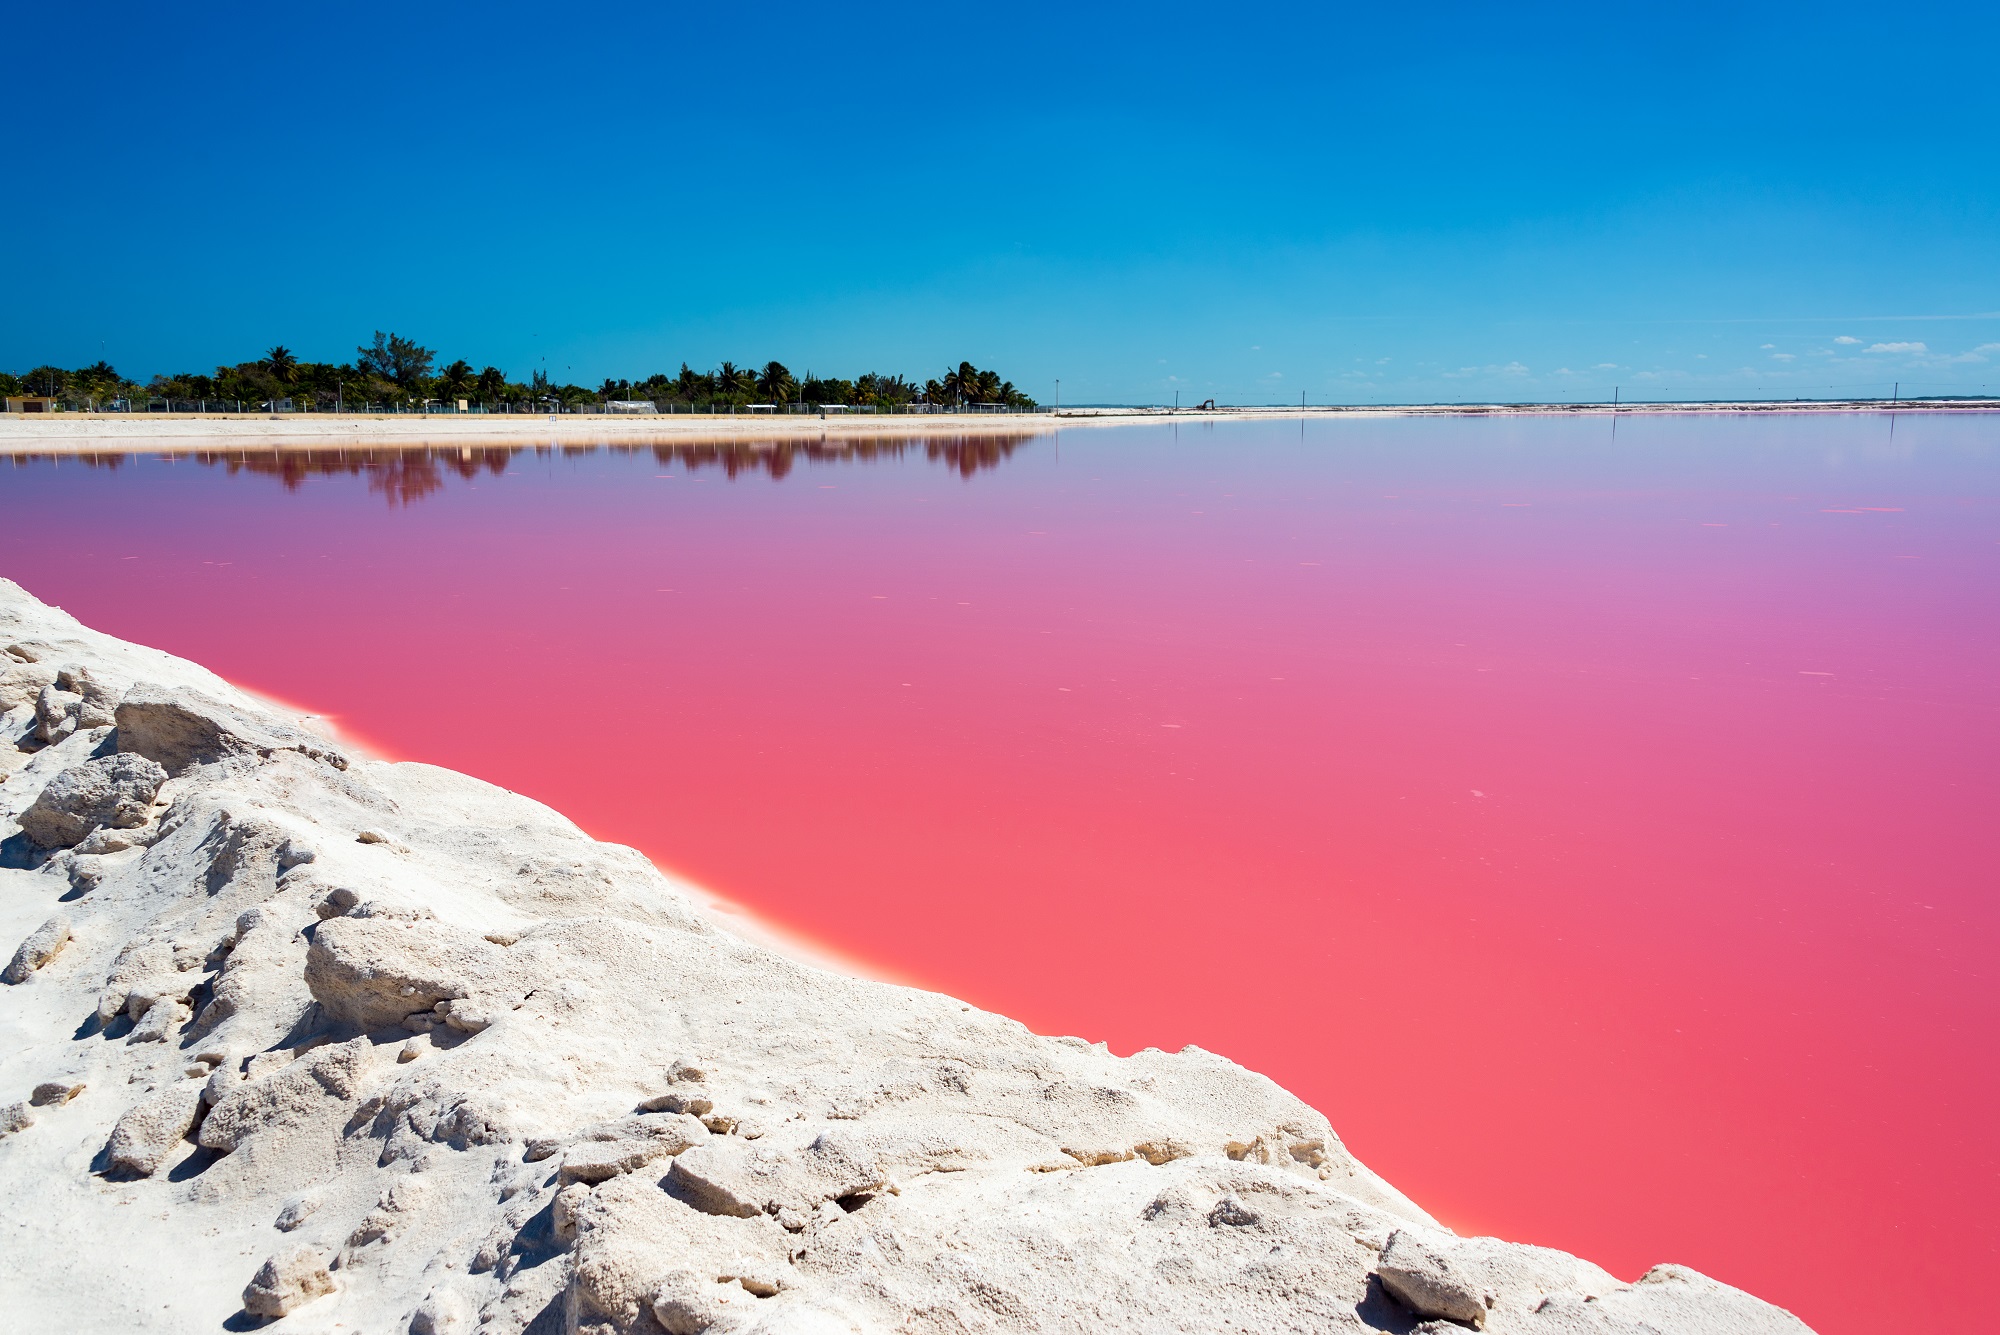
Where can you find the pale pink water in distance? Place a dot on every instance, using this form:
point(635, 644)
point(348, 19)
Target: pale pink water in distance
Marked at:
point(1599, 829)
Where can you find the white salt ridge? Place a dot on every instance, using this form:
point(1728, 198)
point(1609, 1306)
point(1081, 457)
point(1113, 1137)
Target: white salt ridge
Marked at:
point(345, 1044)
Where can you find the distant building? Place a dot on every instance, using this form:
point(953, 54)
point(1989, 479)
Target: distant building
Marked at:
point(629, 406)
point(31, 403)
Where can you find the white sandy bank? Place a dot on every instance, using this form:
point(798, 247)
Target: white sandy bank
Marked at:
point(301, 1037)
point(88, 433)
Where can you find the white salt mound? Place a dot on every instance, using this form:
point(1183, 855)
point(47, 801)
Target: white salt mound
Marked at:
point(303, 1038)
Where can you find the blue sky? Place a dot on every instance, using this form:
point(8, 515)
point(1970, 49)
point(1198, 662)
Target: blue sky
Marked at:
point(1374, 204)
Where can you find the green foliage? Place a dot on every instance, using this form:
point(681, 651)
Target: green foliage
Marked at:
point(49, 381)
point(396, 359)
point(394, 369)
point(694, 386)
point(883, 389)
point(455, 380)
point(247, 382)
point(733, 383)
point(775, 383)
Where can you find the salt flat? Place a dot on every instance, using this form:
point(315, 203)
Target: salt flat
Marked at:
point(89, 433)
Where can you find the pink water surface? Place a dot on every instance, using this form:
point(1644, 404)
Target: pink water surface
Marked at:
point(1600, 828)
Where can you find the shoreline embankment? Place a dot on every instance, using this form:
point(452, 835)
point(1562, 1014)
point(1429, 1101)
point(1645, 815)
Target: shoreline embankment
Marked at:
point(98, 433)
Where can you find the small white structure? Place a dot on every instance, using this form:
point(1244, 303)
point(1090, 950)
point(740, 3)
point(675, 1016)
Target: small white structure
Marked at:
point(630, 406)
point(31, 403)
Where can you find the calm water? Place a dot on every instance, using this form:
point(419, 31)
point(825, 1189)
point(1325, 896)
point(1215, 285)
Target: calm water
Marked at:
point(1599, 828)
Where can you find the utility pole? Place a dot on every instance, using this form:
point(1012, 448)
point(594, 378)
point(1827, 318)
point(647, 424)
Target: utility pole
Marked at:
point(1896, 394)
point(1614, 398)
point(1058, 396)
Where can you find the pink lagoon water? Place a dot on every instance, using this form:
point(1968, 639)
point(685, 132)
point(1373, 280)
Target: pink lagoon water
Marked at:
point(1600, 827)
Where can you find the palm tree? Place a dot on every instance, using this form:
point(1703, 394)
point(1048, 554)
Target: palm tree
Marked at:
point(988, 388)
point(455, 380)
point(733, 381)
point(963, 383)
point(775, 383)
point(282, 365)
point(491, 381)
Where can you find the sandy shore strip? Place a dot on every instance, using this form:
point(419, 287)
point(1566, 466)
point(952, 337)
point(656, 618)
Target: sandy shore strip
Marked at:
point(111, 433)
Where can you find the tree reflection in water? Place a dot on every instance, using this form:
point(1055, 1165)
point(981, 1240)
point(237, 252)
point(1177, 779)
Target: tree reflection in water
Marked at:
point(405, 475)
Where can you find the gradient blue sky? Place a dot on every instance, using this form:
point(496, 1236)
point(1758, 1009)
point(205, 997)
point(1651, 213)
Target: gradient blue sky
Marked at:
point(1249, 202)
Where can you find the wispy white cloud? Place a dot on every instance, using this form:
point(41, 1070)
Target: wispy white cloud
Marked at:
point(1847, 339)
point(1766, 347)
point(1897, 347)
point(1784, 357)
point(1510, 369)
point(1605, 366)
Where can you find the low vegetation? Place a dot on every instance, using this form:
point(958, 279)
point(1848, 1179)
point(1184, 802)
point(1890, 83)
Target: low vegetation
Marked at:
point(393, 370)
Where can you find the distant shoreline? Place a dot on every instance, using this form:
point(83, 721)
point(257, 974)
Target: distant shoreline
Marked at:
point(87, 433)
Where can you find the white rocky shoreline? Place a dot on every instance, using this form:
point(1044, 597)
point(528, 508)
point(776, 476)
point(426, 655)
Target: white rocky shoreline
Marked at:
point(302, 1038)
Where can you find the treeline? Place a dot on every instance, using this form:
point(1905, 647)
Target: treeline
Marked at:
point(398, 370)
